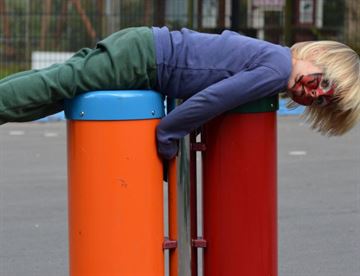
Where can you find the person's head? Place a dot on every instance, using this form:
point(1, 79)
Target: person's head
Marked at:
point(326, 79)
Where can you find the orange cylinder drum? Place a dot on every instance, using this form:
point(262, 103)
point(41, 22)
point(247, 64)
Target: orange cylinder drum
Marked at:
point(115, 189)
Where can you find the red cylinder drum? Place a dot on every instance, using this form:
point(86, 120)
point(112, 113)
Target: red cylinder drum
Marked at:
point(240, 205)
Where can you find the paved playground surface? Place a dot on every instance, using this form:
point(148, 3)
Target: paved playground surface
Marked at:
point(319, 201)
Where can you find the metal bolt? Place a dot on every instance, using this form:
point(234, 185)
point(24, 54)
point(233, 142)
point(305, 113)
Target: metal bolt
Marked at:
point(82, 113)
point(272, 105)
point(153, 112)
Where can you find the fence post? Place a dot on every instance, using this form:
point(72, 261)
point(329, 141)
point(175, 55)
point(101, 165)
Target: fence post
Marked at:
point(115, 184)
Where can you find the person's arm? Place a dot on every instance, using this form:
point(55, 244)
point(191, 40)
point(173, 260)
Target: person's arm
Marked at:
point(225, 95)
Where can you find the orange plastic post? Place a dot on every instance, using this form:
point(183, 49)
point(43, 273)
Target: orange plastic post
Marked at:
point(115, 198)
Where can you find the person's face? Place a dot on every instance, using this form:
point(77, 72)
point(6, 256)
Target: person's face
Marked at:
point(307, 85)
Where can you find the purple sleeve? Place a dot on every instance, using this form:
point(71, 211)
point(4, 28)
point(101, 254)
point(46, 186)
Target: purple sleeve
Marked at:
point(222, 96)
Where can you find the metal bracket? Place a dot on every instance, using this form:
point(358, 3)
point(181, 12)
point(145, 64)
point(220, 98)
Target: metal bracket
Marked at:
point(199, 243)
point(169, 244)
point(197, 147)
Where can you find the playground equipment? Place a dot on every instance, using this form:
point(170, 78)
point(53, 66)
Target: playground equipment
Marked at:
point(218, 215)
point(115, 196)
point(240, 204)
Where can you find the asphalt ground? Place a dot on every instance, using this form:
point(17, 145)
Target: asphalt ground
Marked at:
point(319, 201)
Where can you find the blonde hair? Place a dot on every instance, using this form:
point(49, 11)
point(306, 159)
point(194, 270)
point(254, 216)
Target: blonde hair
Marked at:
point(341, 66)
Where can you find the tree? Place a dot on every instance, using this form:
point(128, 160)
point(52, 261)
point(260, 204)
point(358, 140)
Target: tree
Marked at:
point(352, 34)
point(8, 50)
point(45, 21)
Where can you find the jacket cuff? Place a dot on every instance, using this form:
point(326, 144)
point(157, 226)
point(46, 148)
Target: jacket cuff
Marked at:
point(168, 150)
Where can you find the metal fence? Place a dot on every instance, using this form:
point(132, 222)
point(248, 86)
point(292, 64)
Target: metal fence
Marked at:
point(34, 33)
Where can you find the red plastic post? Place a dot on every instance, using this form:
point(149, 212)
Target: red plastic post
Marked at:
point(240, 205)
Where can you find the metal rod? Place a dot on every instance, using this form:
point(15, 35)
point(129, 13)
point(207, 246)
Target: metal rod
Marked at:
point(184, 208)
point(199, 208)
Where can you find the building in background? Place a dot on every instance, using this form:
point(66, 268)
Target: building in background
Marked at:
point(266, 17)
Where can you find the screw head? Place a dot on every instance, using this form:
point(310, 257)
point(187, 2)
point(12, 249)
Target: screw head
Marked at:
point(82, 113)
point(153, 112)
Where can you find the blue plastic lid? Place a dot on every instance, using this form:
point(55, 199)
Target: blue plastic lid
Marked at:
point(115, 105)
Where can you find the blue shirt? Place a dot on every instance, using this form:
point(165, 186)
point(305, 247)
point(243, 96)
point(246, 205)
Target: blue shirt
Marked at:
point(213, 74)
